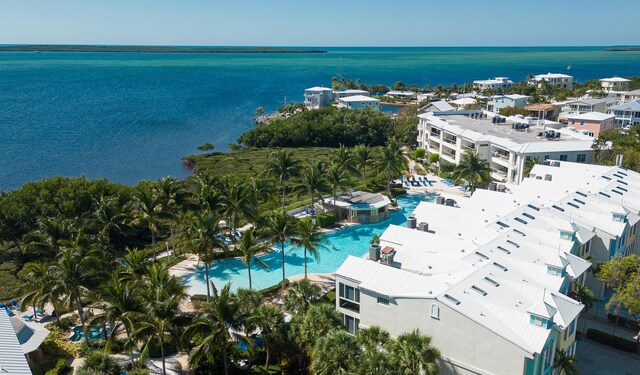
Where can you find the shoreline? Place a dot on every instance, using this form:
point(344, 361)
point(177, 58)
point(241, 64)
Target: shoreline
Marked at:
point(152, 49)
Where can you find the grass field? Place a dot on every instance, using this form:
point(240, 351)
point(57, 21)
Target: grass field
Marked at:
point(250, 162)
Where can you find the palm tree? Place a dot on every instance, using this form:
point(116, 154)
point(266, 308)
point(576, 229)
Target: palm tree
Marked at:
point(270, 321)
point(299, 295)
point(237, 199)
point(319, 319)
point(73, 274)
point(203, 236)
point(583, 295)
point(281, 227)
point(374, 358)
point(528, 166)
point(248, 300)
point(565, 364)
point(37, 290)
point(307, 237)
point(282, 166)
point(204, 194)
point(172, 196)
point(109, 218)
point(337, 180)
point(249, 247)
point(363, 157)
point(119, 303)
point(210, 328)
point(336, 353)
point(161, 295)
point(147, 209)
point(313, 181)
point(50, 235)
point(344, 160)
point(474, 170)
point(391, 162)
point(412, 353)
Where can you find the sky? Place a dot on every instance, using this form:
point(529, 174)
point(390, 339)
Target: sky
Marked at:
point(322, 23)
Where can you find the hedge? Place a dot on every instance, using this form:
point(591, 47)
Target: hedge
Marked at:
point(326, 219)
point(631, 324)
point(611, 340)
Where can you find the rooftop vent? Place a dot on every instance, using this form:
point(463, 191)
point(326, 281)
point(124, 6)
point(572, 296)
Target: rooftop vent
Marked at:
point(548, 177)
point(374, 253)
point(411, 222)
point(386, 255)
point(424, 227)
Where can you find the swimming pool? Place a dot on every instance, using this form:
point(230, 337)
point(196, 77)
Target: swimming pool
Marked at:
point(337, 246)
point(95, 333)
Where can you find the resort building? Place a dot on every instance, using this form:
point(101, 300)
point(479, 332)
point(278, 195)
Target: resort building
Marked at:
point(438, 106)
point(554, 79)
point(17, 341)
point(498, 83)
point(502, 101)
point(359, 102)
point(591, 123)
point(359, 207)
point(543, 111)
point(489, 277)
point(614, 84)
point(507, 144)
point(402, 94)
point(351, 92)
point(630, 96)
point(585, 105)
point(318, 97)
point(627, 114)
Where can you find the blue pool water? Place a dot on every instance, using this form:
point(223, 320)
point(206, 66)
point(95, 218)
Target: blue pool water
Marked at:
point(95, 333)
point(337, 246)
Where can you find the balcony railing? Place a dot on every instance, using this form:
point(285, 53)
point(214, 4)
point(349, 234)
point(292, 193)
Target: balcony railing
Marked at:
point(349, 305)
point(453, 141)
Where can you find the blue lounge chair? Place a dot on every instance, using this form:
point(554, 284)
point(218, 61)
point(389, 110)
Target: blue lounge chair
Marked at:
point(9, 312)
point(15, 304)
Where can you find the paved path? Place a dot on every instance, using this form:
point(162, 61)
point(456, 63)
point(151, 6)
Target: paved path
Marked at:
point(596, 359)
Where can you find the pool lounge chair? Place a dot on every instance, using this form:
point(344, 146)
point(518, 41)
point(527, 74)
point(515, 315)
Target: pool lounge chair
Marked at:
point(15, 304)
point(9, 312)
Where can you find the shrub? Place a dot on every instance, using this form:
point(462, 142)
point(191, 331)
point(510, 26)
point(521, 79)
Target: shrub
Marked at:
point(60, 368)
point(99, 363)
point(138, 371)
point(66, 322)
point(326, 219)
point(611, 340)
point(56, 344)
point(419, 153)
point(434, 158)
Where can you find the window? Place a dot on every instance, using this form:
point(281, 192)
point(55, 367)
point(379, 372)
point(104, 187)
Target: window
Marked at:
point(587, 247)
point(520, 232)
point(566, 235)
point(478, 290)
point(581, 158)
point(548, 353)
point(435, 311)
point(349, 297)
point(481, 255)
point(500, 223)
point(351, 324)
point(528, 215)
point(581, 194)
point(573, 205)
point(555, 271)
point(504, 250)
point(618, 217)
point(513, 243)
point(451, 299)
point(579, 201)
point(563, 157)
point(520, 220)
point(491, 281)
point(383, 301)
point(572, 328)
point(500, 266)
point(546, 157)
point(558, 208)
point(537, 321)
point(533, 207)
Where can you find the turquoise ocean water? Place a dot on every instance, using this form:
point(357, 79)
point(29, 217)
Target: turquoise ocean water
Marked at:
point(132, 116)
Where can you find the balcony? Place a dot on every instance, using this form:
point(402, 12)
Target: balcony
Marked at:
point(349, 305)
point(451, 140)
point(471, 147)
point(434, 134)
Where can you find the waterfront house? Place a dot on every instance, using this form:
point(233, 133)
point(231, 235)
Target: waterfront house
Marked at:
point(627, 114)
point(498, 102)
point(318, 97)
point(630, 96)
point(359, 207)
point(350, 92)
point(614, 84)
point(506, 143)
point(359, 102)
point(438, 106)
point(591, 123)
point(554, 79)
point(544, 111)
point(498, 83)
point(410, 95)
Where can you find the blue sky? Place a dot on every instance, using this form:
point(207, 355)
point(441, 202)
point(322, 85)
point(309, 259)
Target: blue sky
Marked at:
point(322, 23)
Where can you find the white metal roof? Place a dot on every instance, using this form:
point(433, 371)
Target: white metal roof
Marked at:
point(540, 77)
point(12, 359)
point(592, 116)
point(630, 106)
point(30, 334)
point(615, 79)
point(358, 98)
point(319, 88)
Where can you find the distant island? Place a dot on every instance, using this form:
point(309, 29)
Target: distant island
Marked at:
point(161, 49)
point(623, 49)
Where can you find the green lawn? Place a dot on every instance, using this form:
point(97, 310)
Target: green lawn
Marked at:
point(250, 162)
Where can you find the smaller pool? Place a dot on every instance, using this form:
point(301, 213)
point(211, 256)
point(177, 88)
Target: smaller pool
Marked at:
point(95, 333)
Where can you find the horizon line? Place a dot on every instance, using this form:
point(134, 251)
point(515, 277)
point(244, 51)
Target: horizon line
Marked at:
point(315, 46)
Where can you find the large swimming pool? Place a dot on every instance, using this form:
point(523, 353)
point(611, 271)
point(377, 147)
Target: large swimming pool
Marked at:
point(337, 246)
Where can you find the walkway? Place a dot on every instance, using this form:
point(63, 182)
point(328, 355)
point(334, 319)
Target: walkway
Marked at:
point(597, 359)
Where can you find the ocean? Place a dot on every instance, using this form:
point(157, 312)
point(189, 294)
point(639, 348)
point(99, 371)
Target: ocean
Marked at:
point(132, 116)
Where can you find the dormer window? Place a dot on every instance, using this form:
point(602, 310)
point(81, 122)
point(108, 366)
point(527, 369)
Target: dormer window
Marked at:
point(553, 270)
point(537, 321)
point(566, 235)
point(619, 217)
